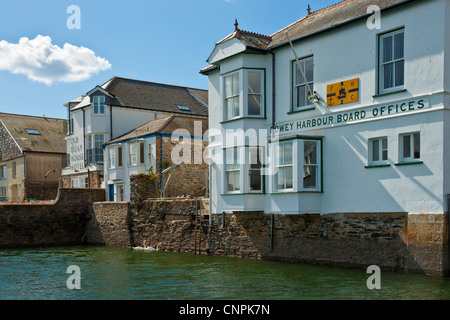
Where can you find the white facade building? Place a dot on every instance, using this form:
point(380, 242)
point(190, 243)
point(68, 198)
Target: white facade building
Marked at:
point(376, 141)
point(113, 109)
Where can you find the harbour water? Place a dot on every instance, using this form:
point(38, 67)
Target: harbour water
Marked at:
point(119, 273)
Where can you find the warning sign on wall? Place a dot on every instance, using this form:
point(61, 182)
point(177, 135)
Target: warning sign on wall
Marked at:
point(342, 92)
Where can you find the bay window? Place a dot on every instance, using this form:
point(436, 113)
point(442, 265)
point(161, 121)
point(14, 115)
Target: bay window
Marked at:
point(244, 169)
point(297, 165)
point(94, 149)
point(243, 94)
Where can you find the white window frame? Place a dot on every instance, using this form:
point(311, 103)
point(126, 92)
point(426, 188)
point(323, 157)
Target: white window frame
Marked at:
point(94, 143)
point(233, 166)
point(98, 105)
point(243, 94)
point(283, 165)
point(112, 163)
point(381, 150)
point(302, 62)
point(132, 145)
point(382, 65)
point(413, 136)
point(232, 96)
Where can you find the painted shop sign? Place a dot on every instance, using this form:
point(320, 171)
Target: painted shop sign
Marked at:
point(354, 116)
point(76, 153)
point(343, 92)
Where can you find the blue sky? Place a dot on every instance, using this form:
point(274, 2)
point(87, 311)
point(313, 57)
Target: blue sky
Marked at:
point(164, 41)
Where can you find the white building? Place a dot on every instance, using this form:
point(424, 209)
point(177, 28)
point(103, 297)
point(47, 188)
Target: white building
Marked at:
point(376, 141)
point(113, 109)
point(148, 148)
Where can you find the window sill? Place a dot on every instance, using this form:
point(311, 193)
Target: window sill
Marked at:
point(407, 163)
point(388, 93)
point(242, 194)
point(296, 192)
point(243, 118)
point(302, 110)
point(377, 166)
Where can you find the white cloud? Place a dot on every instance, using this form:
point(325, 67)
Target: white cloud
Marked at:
point(45, 62)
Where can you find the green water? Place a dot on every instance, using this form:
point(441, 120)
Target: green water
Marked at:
point(119, 273)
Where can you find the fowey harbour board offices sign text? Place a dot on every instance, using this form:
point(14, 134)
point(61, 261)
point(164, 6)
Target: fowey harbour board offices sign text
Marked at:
point(354, 116)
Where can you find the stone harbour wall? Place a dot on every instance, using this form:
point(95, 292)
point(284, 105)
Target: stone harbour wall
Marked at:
point(411, 242)
point(59, 222)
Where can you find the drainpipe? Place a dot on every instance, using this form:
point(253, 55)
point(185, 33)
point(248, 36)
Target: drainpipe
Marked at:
point(110, 122)
point(84, 137)
point(271, 232)
point(273, 88)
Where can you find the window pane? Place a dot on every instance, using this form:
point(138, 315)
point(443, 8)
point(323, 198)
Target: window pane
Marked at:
point(230, 181)
point(280, 178)
point(399, 73)
point(388, 71)
point(416, 138)
point(310, 152)
point(407, 146)
point(254, 104)
point(237, 185)
point(309, 74)
point(298, 76)
point(235, 107)
point(398, 45)
point(301, 96)
point(235, 84)
point(287, 153)
point(254, 82)
point(309, 177)
point(376, 150)
point(288, 177)
point(255, 180)
point(254, 158)
point(387, 49)
point(141, 152)
point(228, 86)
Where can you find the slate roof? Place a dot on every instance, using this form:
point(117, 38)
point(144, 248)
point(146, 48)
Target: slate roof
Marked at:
point(51, 136)
point(163, 125)
point(131, 93)
point(318, 21)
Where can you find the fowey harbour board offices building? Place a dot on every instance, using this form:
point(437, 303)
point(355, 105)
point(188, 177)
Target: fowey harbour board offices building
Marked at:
point(354, 103)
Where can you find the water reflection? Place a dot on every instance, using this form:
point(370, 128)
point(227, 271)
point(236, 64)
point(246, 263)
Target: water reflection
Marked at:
point(118, 273)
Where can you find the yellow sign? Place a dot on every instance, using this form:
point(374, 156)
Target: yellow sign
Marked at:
point(342, 92)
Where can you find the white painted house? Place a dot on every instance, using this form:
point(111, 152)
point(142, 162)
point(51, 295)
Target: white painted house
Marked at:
point(113, 109)
point(377, 140)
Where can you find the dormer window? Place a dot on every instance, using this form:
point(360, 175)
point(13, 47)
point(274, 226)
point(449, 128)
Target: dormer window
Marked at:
point(99, 104)
point(183, 107)
point(243, 94)
point(34, 132)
